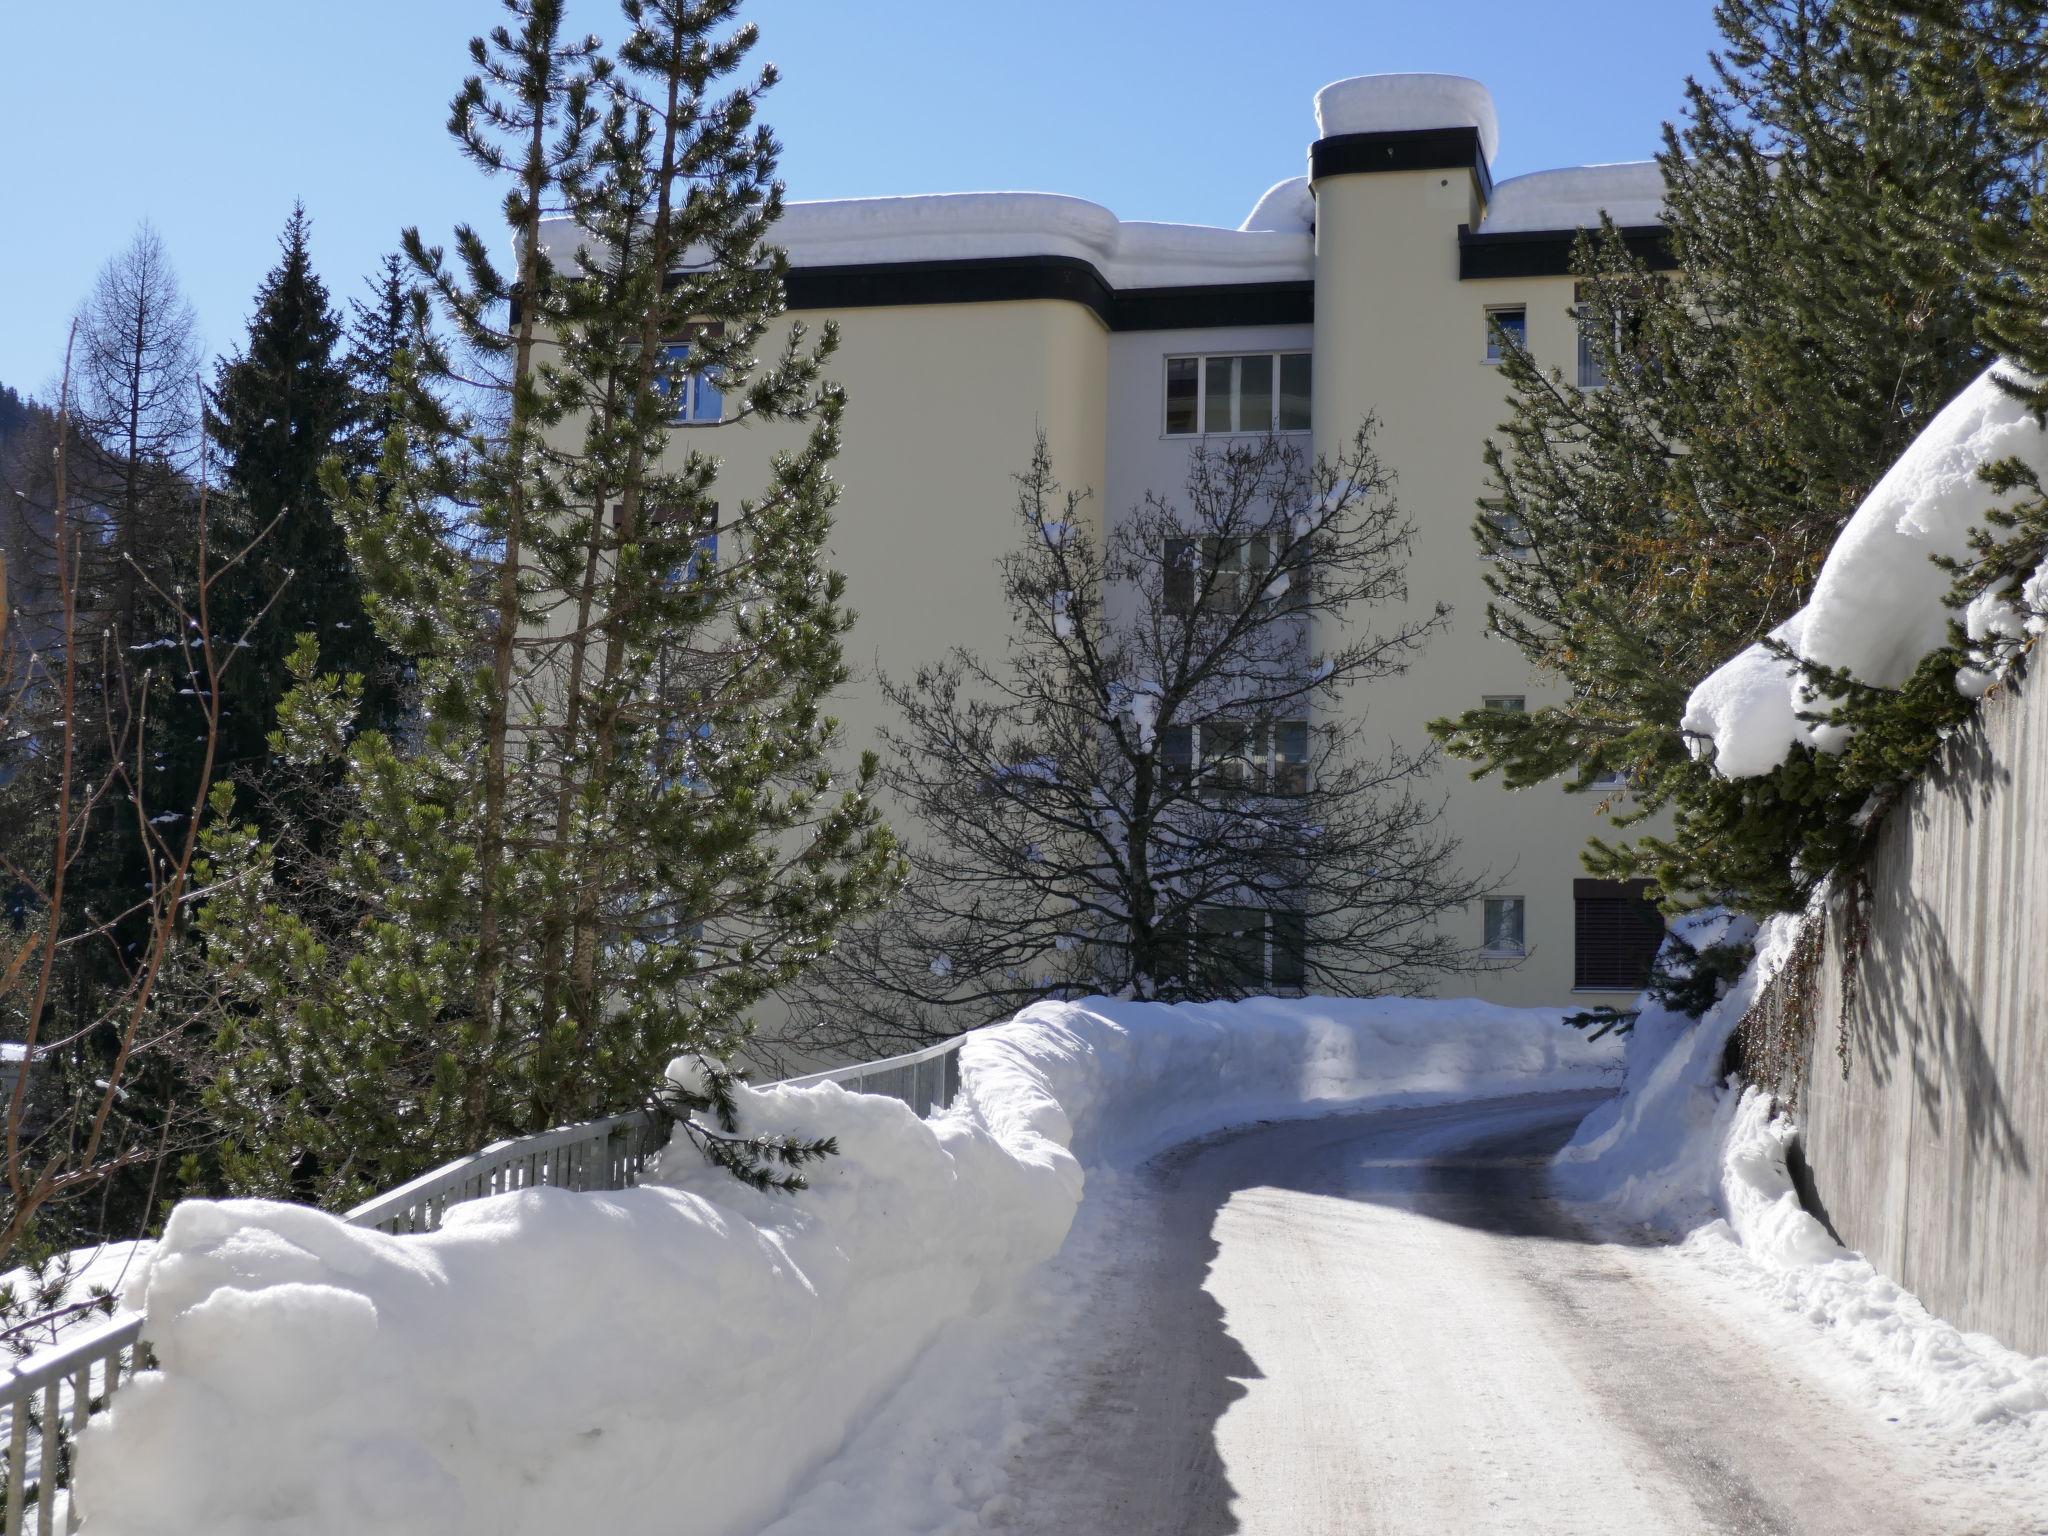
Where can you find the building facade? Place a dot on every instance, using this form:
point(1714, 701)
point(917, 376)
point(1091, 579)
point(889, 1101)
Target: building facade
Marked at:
point(1371, 285)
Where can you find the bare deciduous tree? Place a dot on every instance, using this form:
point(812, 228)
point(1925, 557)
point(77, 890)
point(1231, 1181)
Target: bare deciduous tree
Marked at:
point(74, 765)
point(1159, 792)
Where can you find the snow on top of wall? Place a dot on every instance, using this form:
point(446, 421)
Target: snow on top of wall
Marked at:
point(952, 226)
point(1631, 193)
point(1396, 103)
point(1877, 609)
point(1286, 205)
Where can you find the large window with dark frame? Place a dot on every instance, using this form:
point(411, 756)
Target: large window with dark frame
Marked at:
point(1237, 392)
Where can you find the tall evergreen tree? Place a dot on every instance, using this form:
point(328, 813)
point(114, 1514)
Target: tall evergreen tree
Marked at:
point(613, 827)
point(1643, 532)
point(278, 409)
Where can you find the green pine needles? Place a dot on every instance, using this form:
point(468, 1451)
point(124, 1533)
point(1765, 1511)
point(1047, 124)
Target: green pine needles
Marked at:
point(609, 824)
point(1828, 187)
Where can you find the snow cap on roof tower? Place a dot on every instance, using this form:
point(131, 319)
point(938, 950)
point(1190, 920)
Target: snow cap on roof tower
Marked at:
point(1392, 103)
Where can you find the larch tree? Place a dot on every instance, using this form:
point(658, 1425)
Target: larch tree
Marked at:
point(1164, 790)
point(613, 825)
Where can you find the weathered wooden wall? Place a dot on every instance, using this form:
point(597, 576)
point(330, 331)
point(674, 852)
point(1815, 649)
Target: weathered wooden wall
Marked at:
point(1925, 1109)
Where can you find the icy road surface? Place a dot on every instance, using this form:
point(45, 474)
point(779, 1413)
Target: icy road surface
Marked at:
point(1379, 1323)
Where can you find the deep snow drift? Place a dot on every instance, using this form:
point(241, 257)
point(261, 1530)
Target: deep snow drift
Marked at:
point(678, 1356)
point(1877, 609)
point(1703, 1160)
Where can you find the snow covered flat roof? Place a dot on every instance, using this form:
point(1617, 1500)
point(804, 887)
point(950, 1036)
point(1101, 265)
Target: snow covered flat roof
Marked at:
point(1632, 193)
point(1275, 244)
point(956, 226)
point(1405, 103)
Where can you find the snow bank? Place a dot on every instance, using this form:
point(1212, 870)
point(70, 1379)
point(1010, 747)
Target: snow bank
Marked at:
point(1651, 1154)
point(677, 1356)
point(1877, 609)
point(1706, 1160)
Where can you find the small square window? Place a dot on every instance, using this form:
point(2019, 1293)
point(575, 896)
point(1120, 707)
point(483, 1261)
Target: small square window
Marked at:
point(1507, 324)
point(1504, 933)
point(1510, 536)
point(1509, 703)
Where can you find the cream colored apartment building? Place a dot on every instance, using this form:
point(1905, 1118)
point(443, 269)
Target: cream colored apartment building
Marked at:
point(973, 322)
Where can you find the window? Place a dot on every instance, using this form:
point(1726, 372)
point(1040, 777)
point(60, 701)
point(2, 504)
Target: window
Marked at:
point(1510, 703)
point(1592, 368)
point(1503, 934)
point(1615, 933)
point(1233, 755)
point(1290, 757)
point(1250, 949)
point(1510, 536)
point(1228, 571)
point(1177, 753)
point(1507, 323)
point(1226, 756)
point(696, 396)
point(1245, 392)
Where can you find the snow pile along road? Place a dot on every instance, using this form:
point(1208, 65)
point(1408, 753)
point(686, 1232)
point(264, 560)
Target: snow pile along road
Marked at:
point(679, 1355)
point(1703, 1159)
point(1878, 606)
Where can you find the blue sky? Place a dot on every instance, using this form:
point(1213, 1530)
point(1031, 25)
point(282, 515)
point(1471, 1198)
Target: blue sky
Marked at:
point(209, 117)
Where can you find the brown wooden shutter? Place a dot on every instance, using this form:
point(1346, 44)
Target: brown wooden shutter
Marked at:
point(1616, 932)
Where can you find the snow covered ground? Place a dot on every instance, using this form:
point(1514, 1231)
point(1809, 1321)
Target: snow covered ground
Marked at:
point(1702, 1162)
point(682, 1355)
point(944, 1336)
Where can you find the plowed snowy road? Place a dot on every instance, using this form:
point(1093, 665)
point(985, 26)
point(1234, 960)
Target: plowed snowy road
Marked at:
point(1381, 1324)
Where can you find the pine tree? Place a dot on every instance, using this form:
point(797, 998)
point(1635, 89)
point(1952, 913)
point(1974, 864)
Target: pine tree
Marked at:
point(613, 826)
point(278, 410)
point(1644, 532)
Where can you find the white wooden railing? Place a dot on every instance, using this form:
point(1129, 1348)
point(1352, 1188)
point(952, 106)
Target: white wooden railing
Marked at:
point(48, 1396)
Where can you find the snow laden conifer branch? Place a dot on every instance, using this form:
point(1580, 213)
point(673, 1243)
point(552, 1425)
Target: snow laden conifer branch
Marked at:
point(1162, 790)
point(765, 1160)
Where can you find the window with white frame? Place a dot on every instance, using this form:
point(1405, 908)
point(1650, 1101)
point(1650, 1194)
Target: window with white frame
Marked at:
point(1237, 755)
point(693, 393)
point(1506, 323)
point(1219, 569)
point(1250, 948)
point(1510, 536)
point(1509, 703)
point(1503, 931)
point(1238, 392)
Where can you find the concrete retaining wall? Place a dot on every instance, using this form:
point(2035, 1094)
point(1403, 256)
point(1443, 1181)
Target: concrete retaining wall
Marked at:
point(1928, 1142)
